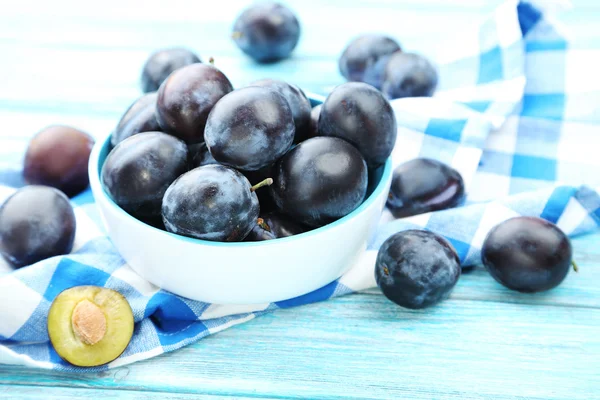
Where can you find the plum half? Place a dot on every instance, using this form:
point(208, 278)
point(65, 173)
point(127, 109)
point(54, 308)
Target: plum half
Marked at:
point(90, 326)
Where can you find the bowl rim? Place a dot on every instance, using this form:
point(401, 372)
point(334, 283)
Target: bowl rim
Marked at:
point(97, 188)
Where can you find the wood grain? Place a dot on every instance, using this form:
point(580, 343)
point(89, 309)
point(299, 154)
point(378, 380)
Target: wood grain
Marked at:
point(59, 393)
point(363, 346)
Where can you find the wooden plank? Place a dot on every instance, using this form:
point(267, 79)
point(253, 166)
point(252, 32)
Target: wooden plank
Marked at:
point(60, 393)
point(363, 346)
point(66, 62)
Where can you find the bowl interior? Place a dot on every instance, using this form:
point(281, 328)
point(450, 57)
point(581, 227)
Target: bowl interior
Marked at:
point(377, 184)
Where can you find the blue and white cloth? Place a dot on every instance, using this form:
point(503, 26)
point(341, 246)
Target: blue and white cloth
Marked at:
point(509, 116)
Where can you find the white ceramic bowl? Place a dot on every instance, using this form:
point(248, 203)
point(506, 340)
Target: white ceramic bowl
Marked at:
point(246, 272)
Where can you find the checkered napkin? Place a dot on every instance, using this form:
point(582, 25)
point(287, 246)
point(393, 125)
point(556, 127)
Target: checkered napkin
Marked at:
point(509, 115)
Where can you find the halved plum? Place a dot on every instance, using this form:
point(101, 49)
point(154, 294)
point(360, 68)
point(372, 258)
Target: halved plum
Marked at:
point(90, 325)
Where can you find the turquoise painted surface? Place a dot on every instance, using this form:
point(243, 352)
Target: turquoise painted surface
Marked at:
point(74, 62)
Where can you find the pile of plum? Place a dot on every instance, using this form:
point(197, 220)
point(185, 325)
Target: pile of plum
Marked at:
point(193, 155)
point(198, 158)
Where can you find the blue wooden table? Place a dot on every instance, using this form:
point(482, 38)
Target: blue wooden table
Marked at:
point(78, 63)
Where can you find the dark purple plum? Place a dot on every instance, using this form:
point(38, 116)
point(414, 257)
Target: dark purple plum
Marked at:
point(212, 202)
point(186, 98)
point(359, 114)
point(138, 171)
point(273, 226)
point(315, 113)
point(527, 254)
point(36, 223)
point(423, 185)
point(199, 155)
point(249, 128)
point(58, 156)
point(365, 58)
point(416, 269)
point(267, 32)
point(409, 75)
point(139, 117)
point(319, 181)
point(162, 63)
point(298, 102)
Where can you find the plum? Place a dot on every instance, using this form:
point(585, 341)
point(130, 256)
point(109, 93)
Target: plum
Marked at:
point(319, 181)
point(359, 113)
point(212, 202)
point(315, 113)
point(162, 63)
point(58, 156)
point(527, 254)
point(409, 75)
point(249, 128)
point(186, 98)
point(298, 102)
point(90, 326)
point(138, 171)
point(365, 58)
point(274, 225)
point(416, 269)
point(139, 117)
point(267, 32)
point(423, 185)
point(36, 223)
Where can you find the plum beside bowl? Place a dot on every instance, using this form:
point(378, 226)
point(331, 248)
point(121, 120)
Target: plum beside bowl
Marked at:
point(241, 272)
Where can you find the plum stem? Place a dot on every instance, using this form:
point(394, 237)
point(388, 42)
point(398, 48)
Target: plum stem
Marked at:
point(211, 60)
point(236, 35)
point(575, 267)
point(261, 222)
point(266, 182)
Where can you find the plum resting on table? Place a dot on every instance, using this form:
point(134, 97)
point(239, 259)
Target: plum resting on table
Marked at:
point(90, 325)
point(139, 117)
point(359, 113)
point(416, 269)
point(423, 185)
point(274, 225)
point(138, 171)
point(162, 63)
point(527, 254)
point(186, 98)
point(319, 181)
point(298, 102)
point(267, 32)
point(213, 202)
point(36, 222)
point(58, 156)
point(365, 58)
point(249, 128)
point(409, 75)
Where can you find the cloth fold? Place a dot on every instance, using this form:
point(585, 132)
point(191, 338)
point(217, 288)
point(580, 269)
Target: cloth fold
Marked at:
point(504, 117)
